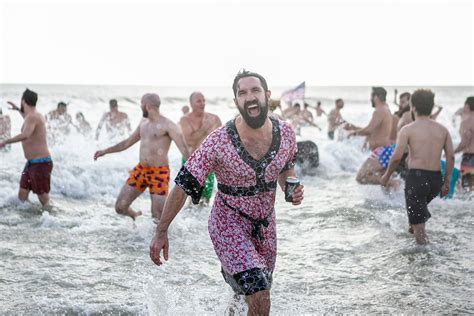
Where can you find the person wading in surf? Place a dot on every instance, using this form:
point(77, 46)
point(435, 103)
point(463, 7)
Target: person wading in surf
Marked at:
point(155, 133)
point(425, 139)
point(36, 175)
point(250, 155)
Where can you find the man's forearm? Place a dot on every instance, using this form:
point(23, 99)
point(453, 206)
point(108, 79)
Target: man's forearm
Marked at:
point(392, 165)
point(363, 132)
point(117, 148)
point(449, 167)
point(16, 139)
point(459, 148)
point(173, 205)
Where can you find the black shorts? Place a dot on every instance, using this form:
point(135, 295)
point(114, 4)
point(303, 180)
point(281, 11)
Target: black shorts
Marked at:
point(421, 187)
point(250, 281)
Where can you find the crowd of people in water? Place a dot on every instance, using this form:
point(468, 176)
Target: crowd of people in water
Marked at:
point(251, 156)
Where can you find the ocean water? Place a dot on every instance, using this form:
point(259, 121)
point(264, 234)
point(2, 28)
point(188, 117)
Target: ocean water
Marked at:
point(344, 250)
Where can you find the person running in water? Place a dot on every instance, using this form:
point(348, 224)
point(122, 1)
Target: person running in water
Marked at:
point(378, 137)
point(250, 156)
point(36, 175)
point(116, 122)
point(425, 139)
point(195, 126)
point(155, 132)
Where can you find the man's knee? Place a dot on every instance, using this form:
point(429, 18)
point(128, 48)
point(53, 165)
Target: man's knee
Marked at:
point(23, 195)
point(120, 207)
point(361, 177)
point(259, 303)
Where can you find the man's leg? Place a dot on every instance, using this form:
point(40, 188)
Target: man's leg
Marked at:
point(370, 172)
point(157, 204)
point(125, 198)
point(23, 194)
point(420, 234)
point(259, 303)
point(43, 198)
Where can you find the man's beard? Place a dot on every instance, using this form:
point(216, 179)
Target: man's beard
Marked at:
point(22, 109)
point(258, 121)
point(373, 102)
point(145, 113)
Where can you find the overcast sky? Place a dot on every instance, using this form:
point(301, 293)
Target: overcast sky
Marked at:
point(194, 43)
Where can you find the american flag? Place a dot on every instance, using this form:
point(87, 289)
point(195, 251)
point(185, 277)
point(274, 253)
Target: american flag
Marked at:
point(294, 94)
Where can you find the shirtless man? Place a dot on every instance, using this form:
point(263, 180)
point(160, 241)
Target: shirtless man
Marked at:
point(335, 119)
point(467, 145)
point(306, 114)
point(250, 155)
point(195, 126)
point(5, 129)
point(59, 121)
point(114, 120)
point(36, 175)
point(425, 139)
point(319, 110)
point(82, 126)
point(185, 109)
point(155, 133)
point(378, 138)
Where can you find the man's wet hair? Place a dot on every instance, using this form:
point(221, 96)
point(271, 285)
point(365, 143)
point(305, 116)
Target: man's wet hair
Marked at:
point(338, 100)
point(380, 92)
point(30, 97)
point(306, 105)
point(113, 103)
point(245, 73)
point(406, 95)
point(470, 102)
point(423, 101)
point(61, 104)
point(296, 105)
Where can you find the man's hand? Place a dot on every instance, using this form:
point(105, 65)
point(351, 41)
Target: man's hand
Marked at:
point(445, 189)
point(13, 106)
point(352, 133)
point(159, 242)
point(384, 180)
point(298, 195)
point(99, 153)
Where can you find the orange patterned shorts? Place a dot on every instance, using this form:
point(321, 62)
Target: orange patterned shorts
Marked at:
point(154, 178)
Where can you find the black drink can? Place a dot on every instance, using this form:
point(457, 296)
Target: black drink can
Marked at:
point(291, 184)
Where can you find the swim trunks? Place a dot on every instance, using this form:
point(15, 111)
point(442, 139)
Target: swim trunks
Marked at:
point(250, 281)
point(421, 187)
point(154, 178)
point(208, 186)
point(36, 175)
point(467, 170)
point(383, 154)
